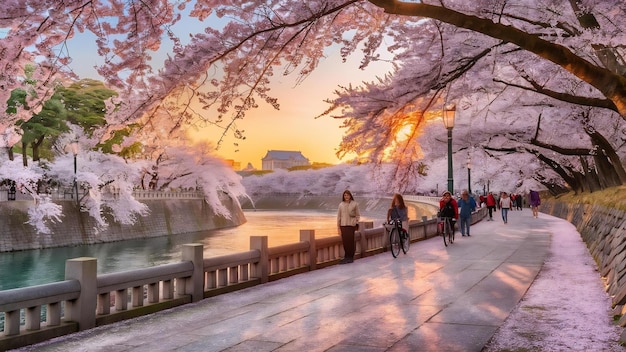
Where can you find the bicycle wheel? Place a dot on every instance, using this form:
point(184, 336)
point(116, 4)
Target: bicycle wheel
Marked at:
point(444, 233)
point(451, 233)
point(406, 241)
point(394, 242)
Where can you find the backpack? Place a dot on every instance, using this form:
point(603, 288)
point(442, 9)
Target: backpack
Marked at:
point(447, 211)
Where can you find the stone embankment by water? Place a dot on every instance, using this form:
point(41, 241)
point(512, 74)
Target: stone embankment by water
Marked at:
point(604, 232)
point(167, 217)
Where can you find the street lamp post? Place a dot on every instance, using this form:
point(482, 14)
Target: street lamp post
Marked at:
point(448, 121)
point(469, 175)
point(74, 149)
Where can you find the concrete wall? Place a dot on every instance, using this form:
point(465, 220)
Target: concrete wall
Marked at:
point(167, 217)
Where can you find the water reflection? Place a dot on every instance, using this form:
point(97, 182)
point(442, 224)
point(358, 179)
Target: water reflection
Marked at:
point(35, 267)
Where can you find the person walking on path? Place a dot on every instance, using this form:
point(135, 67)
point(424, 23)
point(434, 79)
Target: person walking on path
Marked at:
point(535, 202)
point(491, 205)
point(398, 210)
point(348, 217)
point(505, 205)
point(467, 205)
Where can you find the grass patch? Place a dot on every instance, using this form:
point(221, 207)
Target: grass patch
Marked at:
point(521, 349)
point(534, 308)
point(614, 197)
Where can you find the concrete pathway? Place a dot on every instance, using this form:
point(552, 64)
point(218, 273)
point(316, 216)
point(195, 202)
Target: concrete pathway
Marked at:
point(432, 299)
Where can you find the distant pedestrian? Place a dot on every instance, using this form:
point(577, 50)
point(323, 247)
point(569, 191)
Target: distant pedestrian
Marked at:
point(348, 217)
point(491, 205)
point(467, 205)
point(12, 191)
point(518, 201)
point(398, 210)
point(535, 202)
point(505, 205)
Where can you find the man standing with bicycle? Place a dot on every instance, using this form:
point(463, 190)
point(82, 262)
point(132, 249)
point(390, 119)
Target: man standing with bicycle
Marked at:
point(448, 208)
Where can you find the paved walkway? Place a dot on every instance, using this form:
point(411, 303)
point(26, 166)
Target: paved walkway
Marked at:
point(432, 299)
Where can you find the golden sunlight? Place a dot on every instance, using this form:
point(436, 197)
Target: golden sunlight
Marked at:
point(404, 133)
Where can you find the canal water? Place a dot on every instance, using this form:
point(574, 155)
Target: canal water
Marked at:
point(35, 267)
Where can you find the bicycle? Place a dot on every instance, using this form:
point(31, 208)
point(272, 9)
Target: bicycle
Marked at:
point(398, 238)
point(445, 228)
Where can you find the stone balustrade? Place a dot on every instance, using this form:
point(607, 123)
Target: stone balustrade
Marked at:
point(68, 193)
point(86, 300)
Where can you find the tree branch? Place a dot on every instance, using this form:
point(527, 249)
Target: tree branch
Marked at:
point(612, 85)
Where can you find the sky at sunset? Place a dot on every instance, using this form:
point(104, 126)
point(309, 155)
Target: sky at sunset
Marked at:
point(293, 127)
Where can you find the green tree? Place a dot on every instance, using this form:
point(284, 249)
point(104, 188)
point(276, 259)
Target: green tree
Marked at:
point(80, 103)
point(84, 102)
point(48, 123)
point(17, 100)
point(117, 139)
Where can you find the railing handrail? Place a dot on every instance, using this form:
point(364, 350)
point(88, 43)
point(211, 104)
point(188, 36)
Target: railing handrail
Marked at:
point(30, 296)
point(230, 260)
point(137, 277)
point(67, 193)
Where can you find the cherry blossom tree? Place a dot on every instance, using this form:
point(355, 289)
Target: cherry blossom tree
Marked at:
point(500, 89)
point(509, 62)
point(106, 181)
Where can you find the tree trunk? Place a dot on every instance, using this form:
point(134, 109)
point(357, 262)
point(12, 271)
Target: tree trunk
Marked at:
point(605, 147)
point(24, 154)
point(35, 145)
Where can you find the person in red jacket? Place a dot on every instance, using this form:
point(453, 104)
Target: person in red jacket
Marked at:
point(443, 206)
point(448, 208)
point(491, 205)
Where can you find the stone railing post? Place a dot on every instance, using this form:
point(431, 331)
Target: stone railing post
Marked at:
point(261, 270)
point(424, 227)
point(309, 236)
point(83, 309)
point(385, 237)
point(194, 252)
point(362, 240)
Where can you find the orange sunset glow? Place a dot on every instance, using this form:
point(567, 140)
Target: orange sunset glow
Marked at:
point(294, 127)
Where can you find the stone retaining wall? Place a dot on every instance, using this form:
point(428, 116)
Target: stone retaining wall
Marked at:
point(167, 217)
point(604, 232)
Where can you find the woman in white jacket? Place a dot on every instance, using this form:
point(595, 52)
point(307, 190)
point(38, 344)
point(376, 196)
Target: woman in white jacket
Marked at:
point(348, 216)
